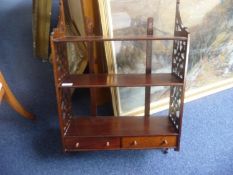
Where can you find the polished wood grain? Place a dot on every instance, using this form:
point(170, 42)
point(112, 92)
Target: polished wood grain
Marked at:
point(120, 80)
point(149, 142)
point(120, 126)
point(90, 143)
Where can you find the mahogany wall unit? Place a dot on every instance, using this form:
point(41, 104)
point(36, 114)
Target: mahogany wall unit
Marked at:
point(118, 132)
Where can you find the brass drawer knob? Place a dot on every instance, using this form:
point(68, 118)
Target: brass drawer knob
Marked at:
point(108, 144)
point(165, 142)
point(77, 145)
point(135, 143)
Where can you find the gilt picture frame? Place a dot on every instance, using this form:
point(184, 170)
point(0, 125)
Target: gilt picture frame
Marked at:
point(41, 16)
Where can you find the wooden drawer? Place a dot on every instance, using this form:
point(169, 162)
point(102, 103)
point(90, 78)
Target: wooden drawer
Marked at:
point(92, 143)
point(149, 142)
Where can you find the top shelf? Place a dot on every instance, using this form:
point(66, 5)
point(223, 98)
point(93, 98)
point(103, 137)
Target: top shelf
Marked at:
point(120, 38)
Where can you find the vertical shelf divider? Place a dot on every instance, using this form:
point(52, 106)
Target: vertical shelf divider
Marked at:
point(150, 29)
point(91, 63)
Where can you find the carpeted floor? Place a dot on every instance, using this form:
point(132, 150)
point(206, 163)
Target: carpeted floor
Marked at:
point(34, 148)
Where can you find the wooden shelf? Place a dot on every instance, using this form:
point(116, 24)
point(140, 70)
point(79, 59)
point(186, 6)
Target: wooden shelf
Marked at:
point(119, 38)
point(123, 80)
point(120, 127)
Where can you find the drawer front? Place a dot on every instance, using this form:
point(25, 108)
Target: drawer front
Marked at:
point(92, 143)
point(149, 142)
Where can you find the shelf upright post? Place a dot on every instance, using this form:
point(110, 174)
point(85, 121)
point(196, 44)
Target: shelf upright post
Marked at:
point(91, 59)
point(150, 27)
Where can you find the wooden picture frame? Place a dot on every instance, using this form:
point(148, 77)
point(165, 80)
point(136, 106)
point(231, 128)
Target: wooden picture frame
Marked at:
point(210, 71)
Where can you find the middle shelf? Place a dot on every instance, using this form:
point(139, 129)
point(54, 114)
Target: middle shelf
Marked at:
point(120, 80)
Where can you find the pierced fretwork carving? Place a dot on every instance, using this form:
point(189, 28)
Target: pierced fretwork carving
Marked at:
point(180, 48)
point(178, 61)
point(175, 105)
point(65, 106)
point(179, 68)
point(178, 22)
point(63, 95)
point(61, 61)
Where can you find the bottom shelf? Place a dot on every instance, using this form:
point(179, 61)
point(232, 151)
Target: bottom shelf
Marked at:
point(113, 133)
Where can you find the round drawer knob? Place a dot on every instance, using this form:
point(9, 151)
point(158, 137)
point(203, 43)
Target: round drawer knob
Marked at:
point(108, 144)
point(135, 143)
point(77, 145)
point(165, 142)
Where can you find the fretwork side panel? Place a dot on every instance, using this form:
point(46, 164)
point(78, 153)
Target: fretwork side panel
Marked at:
point(179, 68)
point(60, 64)
point(175, 109)
point(65, 106)
point(178, 24)
point(61, 61)
point(179, 27)
point(179, 56)
point(180, 48)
